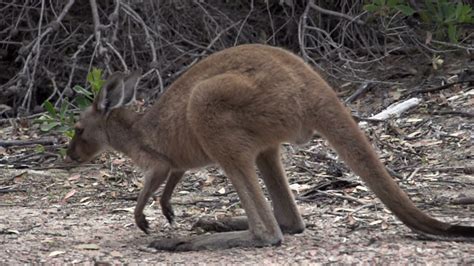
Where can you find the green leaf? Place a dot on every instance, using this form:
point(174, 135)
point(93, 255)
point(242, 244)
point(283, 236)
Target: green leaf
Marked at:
point(69, 133)
point(46, 127)
point(63, 128)
point(449, 14)
point(82, 102)
point(44, 118)
point(406, 10)
point(95, 80)
point(392, 3)
point(458, 12)
point(62, 151)
point(39, 148)
point(424, 16)
point(371, 8)
point(465, 14)
point(50, 108)
point(63, 110)
point(93, 75)
point(81, 91)
point(453, 33)
point(430, 10)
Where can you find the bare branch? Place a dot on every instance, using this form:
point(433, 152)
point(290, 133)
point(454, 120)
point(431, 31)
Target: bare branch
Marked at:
point(334, 13)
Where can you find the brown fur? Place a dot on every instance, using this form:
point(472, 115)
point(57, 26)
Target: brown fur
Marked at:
point(234, 109)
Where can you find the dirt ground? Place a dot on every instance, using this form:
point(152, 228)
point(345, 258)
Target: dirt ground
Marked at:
point(51, 213)
point(93, 226)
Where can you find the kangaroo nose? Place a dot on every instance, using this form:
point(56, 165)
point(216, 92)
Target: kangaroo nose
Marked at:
point(71, 158)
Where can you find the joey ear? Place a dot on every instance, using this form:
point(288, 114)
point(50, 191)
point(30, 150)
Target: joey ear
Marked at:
point(117, 91)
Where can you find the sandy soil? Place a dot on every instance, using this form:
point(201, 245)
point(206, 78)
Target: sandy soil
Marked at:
point(49, 214)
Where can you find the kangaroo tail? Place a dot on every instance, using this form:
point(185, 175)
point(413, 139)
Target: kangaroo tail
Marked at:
point(335, 123)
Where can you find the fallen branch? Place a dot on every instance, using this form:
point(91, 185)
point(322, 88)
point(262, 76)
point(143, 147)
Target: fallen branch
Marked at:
point(361, 90)
point(459, 113)
point(469, 169)
point(329, 194)
point(462, 201)
point(396, 110)
point(393, 173)
point(11, 190)
point(445, 86)
point(9, 143)
point(64, 166)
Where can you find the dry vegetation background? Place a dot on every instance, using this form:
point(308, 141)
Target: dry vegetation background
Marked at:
point(49, 46)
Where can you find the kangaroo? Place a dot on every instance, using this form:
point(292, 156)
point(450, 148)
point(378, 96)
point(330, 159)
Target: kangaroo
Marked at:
point(234, 109)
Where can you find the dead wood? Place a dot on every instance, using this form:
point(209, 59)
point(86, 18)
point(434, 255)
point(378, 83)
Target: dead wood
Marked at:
point(49, 47)
point(361, 90)
point(462, 201)
point(330, 194)
point(459, 169)
point(395, 110)
point(11, 190)
point(11, 143)
point(454, 112)
point(439, 88)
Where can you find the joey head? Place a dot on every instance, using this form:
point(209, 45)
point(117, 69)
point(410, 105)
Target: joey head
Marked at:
point(234, 109)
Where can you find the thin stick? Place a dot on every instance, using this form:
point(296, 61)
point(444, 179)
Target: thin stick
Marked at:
point(453, 112)
point(445, 86)
point(362, 89)
point(334, 13)
point(139, 19)
point(96, 20)
point(12, 190)
point(244, 22)
point(118, 55)
point(9, 143)
point(327, 193)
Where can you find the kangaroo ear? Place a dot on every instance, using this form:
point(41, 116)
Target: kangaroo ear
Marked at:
point(117, 91)
point(130, 86)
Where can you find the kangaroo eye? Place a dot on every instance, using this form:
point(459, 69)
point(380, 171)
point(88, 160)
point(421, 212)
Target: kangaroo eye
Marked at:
point(78, 130)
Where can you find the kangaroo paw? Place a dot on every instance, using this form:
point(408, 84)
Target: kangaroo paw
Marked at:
point(215, 241)
point(142, 223)
point(168, 213)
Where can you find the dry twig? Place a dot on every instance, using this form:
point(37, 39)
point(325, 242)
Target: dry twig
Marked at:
point(10, 143)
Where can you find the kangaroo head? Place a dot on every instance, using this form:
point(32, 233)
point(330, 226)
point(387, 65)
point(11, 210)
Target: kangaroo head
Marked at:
point(90, 131)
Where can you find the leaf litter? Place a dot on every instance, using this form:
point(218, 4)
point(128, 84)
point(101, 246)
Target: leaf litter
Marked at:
point(51, 214)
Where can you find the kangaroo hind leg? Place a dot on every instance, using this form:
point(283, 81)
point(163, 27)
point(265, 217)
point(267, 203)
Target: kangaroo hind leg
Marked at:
point(263, 227)
point(284, 206)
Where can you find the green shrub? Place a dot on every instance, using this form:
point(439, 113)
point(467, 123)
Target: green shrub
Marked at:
point(62, 119)
point(389, 7)
point(443, 17)
point(446, 16)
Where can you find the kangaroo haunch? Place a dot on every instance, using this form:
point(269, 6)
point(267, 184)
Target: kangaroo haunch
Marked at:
point(234, 109)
